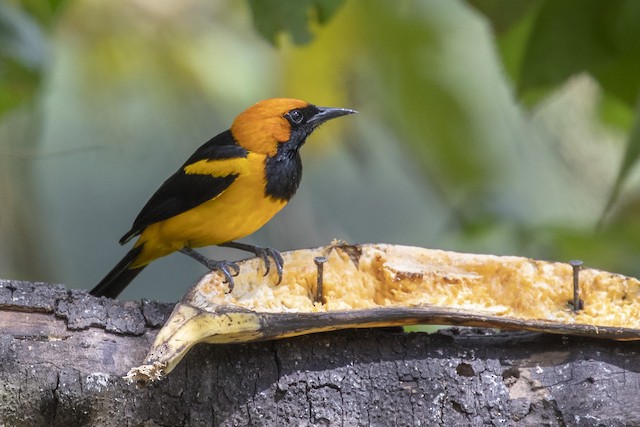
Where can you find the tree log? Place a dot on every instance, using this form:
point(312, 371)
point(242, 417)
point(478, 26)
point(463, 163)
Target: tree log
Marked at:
point(63, 354)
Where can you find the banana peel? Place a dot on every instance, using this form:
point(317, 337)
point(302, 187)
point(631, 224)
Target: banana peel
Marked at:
point(377, 285)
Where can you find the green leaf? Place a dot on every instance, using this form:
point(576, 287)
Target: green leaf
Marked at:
point(574, 36)
point(616, 113)
point(544, 46)
point(274, 17)
point(544, 43)
point(504, 14)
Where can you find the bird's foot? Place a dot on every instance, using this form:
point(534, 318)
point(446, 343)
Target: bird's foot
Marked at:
point(267, 254)
point(223, 266)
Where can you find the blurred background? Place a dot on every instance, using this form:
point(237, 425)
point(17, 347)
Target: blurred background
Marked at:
point(491, 126)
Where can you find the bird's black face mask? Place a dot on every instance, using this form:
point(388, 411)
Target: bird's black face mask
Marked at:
point(284, 170)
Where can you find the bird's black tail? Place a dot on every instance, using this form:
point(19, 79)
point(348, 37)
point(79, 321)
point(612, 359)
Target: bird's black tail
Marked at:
point(119, 277)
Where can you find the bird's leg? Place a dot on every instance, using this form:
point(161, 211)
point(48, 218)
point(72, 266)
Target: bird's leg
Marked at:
point(264, 253)
point(223, 266)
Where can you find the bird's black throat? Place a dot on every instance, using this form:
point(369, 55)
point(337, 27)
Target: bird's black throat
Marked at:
point(284, 170)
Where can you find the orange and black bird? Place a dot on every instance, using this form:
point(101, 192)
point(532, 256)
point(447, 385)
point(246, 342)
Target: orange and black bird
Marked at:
point(229, 188)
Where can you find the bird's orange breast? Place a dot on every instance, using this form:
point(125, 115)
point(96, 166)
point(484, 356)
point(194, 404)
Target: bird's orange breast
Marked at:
point(235, 213)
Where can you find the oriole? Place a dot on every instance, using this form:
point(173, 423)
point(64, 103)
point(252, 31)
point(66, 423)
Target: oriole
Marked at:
point(229, 188)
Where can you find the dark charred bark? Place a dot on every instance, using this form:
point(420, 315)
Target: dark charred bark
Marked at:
point(63, 355)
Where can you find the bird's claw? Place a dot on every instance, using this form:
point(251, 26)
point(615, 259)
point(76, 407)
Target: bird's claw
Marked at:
point(222, 266)
point(266, 254)
point(225, 268)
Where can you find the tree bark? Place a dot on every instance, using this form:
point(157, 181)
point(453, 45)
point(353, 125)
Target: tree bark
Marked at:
point(63, 355)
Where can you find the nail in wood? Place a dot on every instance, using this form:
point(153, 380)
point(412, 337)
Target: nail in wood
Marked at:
point(319, 260)
point(578, 304)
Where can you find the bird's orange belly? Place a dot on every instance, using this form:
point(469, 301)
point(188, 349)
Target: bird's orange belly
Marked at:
point(229, 217)
point(237, 212)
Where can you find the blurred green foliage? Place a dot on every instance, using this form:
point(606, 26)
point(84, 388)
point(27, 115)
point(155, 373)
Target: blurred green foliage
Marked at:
point(499, 126)
point(24, 48)
point(22, 56)
point(545, 43)
point(275, 17)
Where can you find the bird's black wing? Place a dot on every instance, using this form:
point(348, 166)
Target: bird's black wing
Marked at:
point(182, 191)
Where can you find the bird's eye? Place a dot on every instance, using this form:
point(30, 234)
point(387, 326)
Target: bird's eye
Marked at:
point(295, 116)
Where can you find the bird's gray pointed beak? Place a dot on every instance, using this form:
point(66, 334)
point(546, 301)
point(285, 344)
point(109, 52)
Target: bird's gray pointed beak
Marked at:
point(328, 113)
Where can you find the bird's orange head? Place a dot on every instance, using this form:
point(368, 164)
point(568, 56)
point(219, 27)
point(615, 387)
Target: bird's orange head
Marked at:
point(267, 124)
